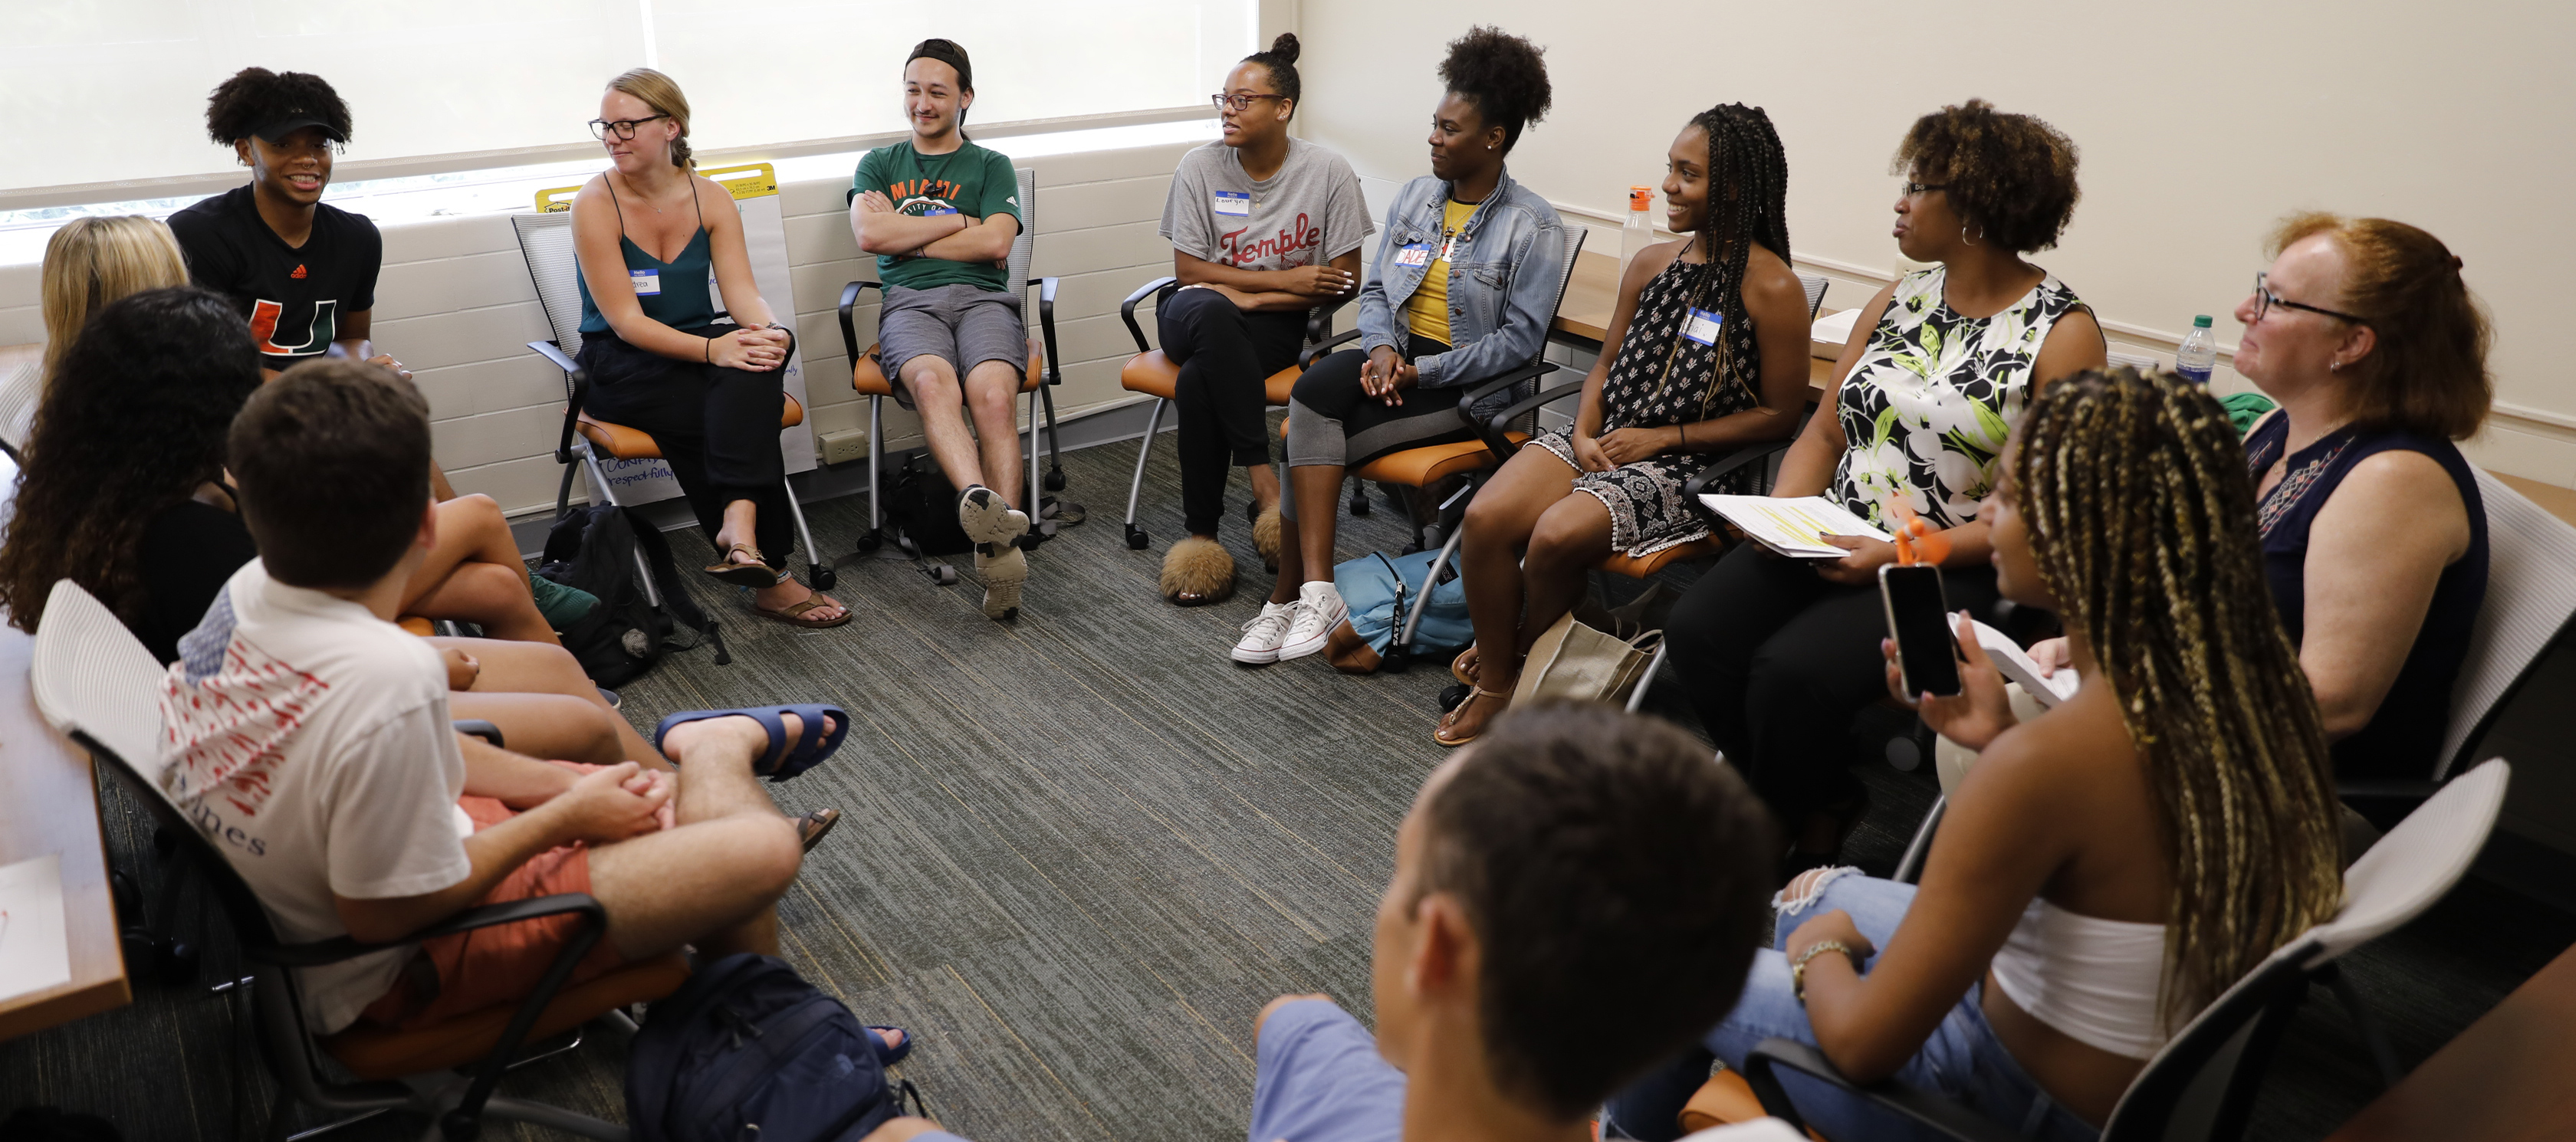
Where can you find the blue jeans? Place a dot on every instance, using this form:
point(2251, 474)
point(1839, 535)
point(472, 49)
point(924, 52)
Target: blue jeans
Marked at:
point(1962, 1059)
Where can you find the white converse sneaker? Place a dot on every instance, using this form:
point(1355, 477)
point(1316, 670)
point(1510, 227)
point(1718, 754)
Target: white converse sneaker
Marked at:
point(1319, 611)
point(988, 518)
point(1262, 636)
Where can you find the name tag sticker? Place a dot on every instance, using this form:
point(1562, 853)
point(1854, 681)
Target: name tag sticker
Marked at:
point(648, 283)
point(1417, 254)
point(1233, 204)
point(936, 210)
point(1703, 326)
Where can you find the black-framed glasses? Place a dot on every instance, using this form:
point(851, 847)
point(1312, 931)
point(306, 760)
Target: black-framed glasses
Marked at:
point(625, 128)
point(2265, 299)
point(1915, 188)
point(1237, 103)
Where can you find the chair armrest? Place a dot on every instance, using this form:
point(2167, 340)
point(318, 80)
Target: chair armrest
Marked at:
point(849, 332)
point(479, 728)
point(1319, 322)
point(1046, 324)
point(552, 352)
point(340, 948)
point(1490, 430)
point(577, 386)
point(1931, 1110)
point(1306, 360)
point(1697, 485)
point(1127, 308)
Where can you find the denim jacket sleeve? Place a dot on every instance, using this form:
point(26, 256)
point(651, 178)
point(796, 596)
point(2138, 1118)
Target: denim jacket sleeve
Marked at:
point(1377, 318)
point(1528, 307)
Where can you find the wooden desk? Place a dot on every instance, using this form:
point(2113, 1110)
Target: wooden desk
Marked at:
point(2508, 1078)
point(1583, 317)
point(48, 804)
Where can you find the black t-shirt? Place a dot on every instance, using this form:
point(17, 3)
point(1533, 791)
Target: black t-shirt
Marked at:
point(188, 552)
point(293, 297)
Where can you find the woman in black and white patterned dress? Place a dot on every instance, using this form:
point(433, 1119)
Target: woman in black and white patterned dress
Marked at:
point(1706, 352)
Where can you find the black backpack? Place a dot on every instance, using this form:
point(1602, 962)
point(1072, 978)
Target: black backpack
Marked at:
point(594, 549)
point(748, 1050)
point(921, 505)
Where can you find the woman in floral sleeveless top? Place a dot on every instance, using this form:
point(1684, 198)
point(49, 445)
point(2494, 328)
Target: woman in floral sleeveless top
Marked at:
point(1706, 352)
point(1778, 654)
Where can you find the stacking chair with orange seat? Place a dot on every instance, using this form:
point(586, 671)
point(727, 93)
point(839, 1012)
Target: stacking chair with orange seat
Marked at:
point(545, 240)
point(868, 377)
point(97, 684)
point(1152, 373)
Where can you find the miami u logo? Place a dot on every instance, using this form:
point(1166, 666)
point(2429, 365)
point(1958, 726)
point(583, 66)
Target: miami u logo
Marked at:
point(264, 315)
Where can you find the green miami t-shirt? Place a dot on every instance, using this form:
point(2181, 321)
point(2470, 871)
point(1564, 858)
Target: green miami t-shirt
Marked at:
point(971, 180)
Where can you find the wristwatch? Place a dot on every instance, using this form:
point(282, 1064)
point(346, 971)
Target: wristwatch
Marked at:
point(1798, 970)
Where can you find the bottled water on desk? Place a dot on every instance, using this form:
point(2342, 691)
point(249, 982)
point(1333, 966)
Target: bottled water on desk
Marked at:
point(2198, 354)
point(1639, 232)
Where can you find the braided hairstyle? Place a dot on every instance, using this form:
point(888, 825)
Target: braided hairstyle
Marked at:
point(1745, 157)
point(2141, 521)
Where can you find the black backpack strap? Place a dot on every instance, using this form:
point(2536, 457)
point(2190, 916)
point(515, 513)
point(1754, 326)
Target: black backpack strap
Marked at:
point(675, 594)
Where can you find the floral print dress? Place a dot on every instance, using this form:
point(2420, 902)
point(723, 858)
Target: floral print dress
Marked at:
point(1662, 378)
point(1926, 410)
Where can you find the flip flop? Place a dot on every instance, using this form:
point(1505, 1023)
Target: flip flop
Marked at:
point(795, 616)
point(889, 1056)
point(781, 760)
point(754, 574)
point(1473, 693)
point(811, 827)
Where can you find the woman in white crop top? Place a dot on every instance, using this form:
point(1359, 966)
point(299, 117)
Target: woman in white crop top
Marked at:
point(2085, 896)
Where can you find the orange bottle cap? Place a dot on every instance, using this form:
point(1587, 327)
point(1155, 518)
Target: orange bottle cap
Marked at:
point(1640, 198)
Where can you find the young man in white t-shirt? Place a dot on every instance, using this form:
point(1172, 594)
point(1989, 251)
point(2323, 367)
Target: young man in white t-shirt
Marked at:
point(1576, 899)
point(309, 737)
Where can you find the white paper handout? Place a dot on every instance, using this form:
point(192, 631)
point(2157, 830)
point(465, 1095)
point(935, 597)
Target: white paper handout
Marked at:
point(1794, 525)
point(2017, 666)
point(1833, 328)
point(35, 950)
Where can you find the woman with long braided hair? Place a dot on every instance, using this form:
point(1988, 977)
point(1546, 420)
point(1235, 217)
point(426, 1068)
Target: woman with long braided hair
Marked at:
point(1706, 351)
point(2106, 869)
point(1775, 653)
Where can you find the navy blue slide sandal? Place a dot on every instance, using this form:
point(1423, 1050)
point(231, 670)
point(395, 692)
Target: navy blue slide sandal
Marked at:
point(889, 1056)
point(781, 760)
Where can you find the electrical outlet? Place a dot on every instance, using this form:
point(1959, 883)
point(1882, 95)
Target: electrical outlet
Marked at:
point(844, 445)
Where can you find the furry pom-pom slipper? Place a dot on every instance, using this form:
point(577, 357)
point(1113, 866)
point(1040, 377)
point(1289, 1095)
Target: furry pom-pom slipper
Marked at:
point(1265, 536)
point(1196, 572)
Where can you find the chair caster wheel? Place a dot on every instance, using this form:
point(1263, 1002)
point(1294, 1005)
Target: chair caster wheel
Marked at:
point(944, 575)
point(1360, 502)
point(870, 542)
point(1055, 480)
point(822, 578)
point(1136, 538)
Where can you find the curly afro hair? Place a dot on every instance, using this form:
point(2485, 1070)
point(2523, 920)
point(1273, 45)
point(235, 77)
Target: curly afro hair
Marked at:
point(2011, 177)
point(1503, 75)
point(256, 96)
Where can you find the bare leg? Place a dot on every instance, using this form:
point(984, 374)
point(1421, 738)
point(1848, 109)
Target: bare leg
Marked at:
point(741, 525)
point(490, 595)
point(556, 727)
point(1318, 488)
point(936, 396)
point(1571, 538)
point(471, 529)
point(992, 388)
point(1498, 526)
point(527, 668)
point(714, 880)
point(1265, 486)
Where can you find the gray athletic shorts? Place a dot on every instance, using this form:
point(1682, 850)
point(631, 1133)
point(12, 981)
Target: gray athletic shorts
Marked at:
point(963, 325)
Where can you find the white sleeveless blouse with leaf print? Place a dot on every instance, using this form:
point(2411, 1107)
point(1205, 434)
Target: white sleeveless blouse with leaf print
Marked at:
point(1926, 410)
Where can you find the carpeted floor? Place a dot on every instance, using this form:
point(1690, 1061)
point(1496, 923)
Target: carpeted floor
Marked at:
point(1081, 850)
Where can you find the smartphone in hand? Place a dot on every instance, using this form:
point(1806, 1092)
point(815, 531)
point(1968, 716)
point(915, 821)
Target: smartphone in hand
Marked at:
point(1918, 618)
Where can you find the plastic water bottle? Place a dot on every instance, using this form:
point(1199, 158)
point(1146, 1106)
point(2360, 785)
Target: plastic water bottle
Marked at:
point(2198, 354)
point(1639, 232)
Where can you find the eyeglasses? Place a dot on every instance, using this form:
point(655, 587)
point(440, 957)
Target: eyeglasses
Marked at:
point(625, 128)
point(2265, 299)
point(1915, 188)
point(1238, 102)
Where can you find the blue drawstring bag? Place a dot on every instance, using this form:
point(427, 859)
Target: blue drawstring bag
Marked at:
point(1380, 590)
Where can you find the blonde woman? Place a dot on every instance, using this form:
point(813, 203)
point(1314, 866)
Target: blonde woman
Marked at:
point(88, 263)
point(709, 395)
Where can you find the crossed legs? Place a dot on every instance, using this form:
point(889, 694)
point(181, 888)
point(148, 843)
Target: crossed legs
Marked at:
point(714, 879)
point(473, 574)
point(544, 705)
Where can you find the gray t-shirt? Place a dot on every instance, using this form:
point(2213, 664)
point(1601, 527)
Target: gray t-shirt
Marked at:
point(1307, 214)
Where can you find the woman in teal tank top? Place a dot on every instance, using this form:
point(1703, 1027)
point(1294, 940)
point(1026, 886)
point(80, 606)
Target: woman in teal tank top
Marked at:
point(708, 394)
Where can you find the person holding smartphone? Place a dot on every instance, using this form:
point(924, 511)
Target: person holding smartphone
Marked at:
point(1777, 654)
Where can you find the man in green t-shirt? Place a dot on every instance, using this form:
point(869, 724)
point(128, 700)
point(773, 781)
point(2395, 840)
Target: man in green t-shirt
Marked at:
point(940, 213)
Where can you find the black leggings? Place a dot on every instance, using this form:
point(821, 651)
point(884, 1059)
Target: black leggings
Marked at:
point(1778, 660)
point(1331, 420)
point(716, 427)
point(1226, 356)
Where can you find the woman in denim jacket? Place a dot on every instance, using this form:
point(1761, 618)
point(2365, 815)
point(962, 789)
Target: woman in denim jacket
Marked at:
point(1461, 290)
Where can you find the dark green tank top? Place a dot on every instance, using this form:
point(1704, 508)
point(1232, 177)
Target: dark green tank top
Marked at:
point(676, 293)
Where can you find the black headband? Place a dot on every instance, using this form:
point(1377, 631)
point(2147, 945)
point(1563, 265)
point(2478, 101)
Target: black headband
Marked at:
point(948, 53)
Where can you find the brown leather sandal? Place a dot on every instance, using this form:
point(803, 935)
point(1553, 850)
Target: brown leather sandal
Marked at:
point(1439, 732)
point(757, 573)
point(795, 616)
point(811, 827)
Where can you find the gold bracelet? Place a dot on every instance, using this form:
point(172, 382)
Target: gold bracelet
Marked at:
point(1798, 970)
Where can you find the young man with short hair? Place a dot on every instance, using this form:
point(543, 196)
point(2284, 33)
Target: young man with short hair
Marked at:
point(940, 213)
point(1576, 898)
point(309, 737)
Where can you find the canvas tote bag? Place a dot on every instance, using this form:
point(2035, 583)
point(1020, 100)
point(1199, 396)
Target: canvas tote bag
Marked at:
point(1574, 660)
